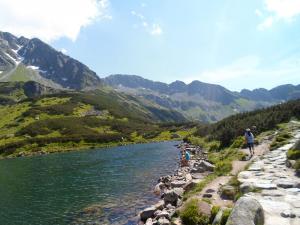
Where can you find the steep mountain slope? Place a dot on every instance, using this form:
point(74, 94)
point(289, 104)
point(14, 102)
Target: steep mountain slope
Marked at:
point(23, 59)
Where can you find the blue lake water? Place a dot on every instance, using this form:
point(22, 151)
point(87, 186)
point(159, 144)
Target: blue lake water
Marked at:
point(106, 186)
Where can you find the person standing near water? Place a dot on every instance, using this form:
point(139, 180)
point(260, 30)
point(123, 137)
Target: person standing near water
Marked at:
point(187, 156)
point(249, 139)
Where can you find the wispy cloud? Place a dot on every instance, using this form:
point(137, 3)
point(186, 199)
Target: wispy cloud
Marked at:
point(152, 28)
point(277, 10)
point(251, 67)
point(156, 29)
point(50, 19)
point(63, 50)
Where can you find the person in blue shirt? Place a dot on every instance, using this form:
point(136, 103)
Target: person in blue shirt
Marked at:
point(187, 156)
point(249, 139)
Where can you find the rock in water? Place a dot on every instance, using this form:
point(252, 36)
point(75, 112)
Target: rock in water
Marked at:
point(247, 211)
point(147, 213)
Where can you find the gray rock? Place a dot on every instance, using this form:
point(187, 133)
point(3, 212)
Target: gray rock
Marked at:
point(172, 196)
point(247, 211)
point(197, 176)
point(272, 193)
point(255, 168)
point(188, 177)
point(218, 217)
point(210, 191)
point(169, 206)
point(147, 213)
point(161, 214)
point(191, 184)
point(179, 203)
point(177, 183)
point(177, 221)
point(160, 205)
point(202, 166)
point(149, 222)
point(285, 184)
point(163, 221)
point(290, 163)
point(207, 195)
point(228, 192)
point(157, 188)
point(246, 187)
point(267, 186)
point(288, 214)
point(179, 191)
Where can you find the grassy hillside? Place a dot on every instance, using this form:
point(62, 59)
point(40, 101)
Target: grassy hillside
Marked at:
point(22, 73)
point(231, 128)
point(70, 120)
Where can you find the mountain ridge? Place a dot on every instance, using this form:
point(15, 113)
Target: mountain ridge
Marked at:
point(199, 100)
point(24, 59)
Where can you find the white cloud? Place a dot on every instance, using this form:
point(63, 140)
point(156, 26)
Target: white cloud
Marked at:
point(258, 13)
point(151, 28)
point(277, 10)
point(250, 68)
point(266, 23)
point(156, 29)
point(241, 67)
point(63, 50)
point(285, 9)
point(50, 19)
point(145, 24)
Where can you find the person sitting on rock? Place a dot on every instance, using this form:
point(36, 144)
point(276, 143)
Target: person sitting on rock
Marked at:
point(249, 139)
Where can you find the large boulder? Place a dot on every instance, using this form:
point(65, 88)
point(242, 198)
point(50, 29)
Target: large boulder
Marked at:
point(202, 166)
point(147, 213)
point(158, 188)
point(228, 192)
point(191, 184)
point(177, 183)
point(247, 211)
point(172, 196)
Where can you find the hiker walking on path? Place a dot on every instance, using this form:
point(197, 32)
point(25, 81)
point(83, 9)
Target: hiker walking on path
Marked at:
point(249, 138)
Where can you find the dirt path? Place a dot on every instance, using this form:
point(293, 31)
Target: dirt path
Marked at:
point(237, 166)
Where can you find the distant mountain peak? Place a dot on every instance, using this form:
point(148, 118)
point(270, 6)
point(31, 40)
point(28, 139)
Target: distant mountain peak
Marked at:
point(42, 63)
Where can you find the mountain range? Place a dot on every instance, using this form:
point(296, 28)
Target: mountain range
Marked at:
point(201, 101)
point(23, 59)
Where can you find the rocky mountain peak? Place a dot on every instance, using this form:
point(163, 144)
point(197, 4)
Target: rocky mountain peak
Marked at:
point(46, 63)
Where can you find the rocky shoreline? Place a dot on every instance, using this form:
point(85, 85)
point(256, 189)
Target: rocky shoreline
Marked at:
point(269, 188)
point(171, 188)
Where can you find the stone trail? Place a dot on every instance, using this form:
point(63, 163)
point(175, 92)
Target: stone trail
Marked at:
point(274, 186)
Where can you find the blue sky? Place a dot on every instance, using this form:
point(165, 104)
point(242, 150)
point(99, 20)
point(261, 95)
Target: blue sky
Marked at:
point(238, 44)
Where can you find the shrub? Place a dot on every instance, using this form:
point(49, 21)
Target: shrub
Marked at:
point(297, 165)
point(223, 167)
point(293, 154)
point(191, 214)
point(238, 142)
point(214, 212)
point(225, 215)
point(214, 146)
